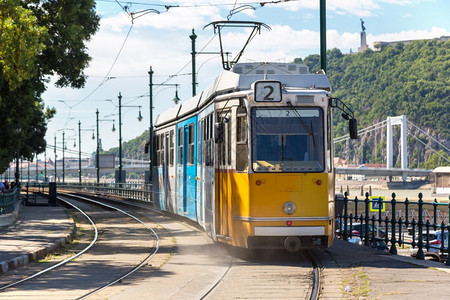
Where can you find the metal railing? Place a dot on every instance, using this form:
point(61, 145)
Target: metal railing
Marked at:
point(404, 222)
point(8, 201)
point(133, 191)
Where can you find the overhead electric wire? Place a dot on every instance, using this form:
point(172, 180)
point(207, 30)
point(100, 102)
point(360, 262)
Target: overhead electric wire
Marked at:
point(167, 6)
point(106, 78)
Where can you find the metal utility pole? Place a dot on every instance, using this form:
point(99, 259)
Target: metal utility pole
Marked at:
point(55, 160)
point(193, 36)
point(323, 36)
point(79, 147)
point(63, 162)
point(120, 132)
point(120, 137)
point(175, 99)
point(79, 151)
point(97, 156)
point(150, 86)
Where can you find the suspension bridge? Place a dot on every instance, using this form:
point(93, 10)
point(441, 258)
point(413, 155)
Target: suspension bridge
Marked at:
point(383, 133)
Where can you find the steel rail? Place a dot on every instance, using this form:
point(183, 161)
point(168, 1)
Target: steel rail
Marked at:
point(64, 261)
point(218, 281)
point(315, 289)
point(145, 261)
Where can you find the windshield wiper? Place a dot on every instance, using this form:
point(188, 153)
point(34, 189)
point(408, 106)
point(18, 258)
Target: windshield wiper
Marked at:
point(302, 121)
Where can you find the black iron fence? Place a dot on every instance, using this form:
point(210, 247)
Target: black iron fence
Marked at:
point(8, 200)
point(419, 224)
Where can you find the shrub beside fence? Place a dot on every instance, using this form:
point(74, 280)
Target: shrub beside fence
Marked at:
point(405, 222)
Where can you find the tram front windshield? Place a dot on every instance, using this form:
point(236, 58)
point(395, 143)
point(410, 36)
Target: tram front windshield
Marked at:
point(288, 140)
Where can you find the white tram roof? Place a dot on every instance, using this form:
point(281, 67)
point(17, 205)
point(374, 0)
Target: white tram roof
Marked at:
point(441, 170)
point(241, 77)
point(168, 115)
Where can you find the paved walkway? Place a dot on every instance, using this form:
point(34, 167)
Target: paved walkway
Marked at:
point(38, 230)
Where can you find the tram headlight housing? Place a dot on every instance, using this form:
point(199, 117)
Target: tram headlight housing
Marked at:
point(289, 208)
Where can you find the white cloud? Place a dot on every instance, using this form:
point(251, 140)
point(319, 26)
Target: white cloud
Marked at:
point(361, 8)
point(408, 35)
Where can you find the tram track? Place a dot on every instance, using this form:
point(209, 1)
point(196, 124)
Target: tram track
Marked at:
point(280, 275)
point(91, 259)
point(316, 272)
point(2, 288)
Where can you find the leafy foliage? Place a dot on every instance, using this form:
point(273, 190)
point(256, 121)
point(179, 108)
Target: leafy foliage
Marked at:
point(39, 38)
point(133, 149)
point(20, 42)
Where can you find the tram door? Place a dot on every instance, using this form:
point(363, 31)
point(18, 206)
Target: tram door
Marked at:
point(187, 169)
point(222, 183)
point(166, 181)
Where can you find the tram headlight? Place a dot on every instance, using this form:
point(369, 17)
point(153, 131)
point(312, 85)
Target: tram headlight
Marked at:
point(289, 208)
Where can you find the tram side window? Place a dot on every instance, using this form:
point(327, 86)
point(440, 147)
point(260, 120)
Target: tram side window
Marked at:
point(171, 148)
point(329, 157)
point(241, 140)
point(228, 141)
point(180, 146)
point(209, 143)
point(206, 142)
point(155, 150)
point(158, 145)
point(221, 153)
point(211, 140)
point(191, 140)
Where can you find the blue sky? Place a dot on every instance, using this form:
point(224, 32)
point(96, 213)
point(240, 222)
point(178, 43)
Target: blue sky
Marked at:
point(120, 63)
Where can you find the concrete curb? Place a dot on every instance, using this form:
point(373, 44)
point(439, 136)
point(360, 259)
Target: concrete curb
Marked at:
point(37, 254)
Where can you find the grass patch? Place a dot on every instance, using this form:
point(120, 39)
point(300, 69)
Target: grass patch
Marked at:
point(357, 282)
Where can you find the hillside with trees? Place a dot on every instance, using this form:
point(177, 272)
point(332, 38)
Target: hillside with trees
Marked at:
point(411, 80)
point(133, 149)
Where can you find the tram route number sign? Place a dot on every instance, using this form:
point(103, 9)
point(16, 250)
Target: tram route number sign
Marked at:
point(267, 91)
point(376, 205)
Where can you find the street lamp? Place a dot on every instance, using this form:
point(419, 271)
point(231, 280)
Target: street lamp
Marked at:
point(79, 147)
point(97, 154)
point(175, 99)
point(63, 150)
point(120, 132)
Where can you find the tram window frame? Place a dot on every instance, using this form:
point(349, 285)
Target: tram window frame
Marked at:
point(171, 148)
point(228, 140)
point(163, 147)
point(158, 163)
point(241, 140)
point(191, 144)
point(154, 150)
point(180, 145)
point(319, 156)
point(207, 147)
point(210, 141)
point(222, 159)
point(330, 150)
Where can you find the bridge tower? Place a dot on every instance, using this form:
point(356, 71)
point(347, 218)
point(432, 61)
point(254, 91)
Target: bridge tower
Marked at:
point(391, 121)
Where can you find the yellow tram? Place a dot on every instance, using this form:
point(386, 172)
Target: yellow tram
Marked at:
point(251, 158)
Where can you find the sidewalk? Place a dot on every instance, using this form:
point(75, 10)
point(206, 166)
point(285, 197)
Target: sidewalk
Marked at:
point(37, 231)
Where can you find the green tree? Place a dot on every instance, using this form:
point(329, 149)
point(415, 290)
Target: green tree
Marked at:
point(436, 160)
point(20, 42)
point(39, 38)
